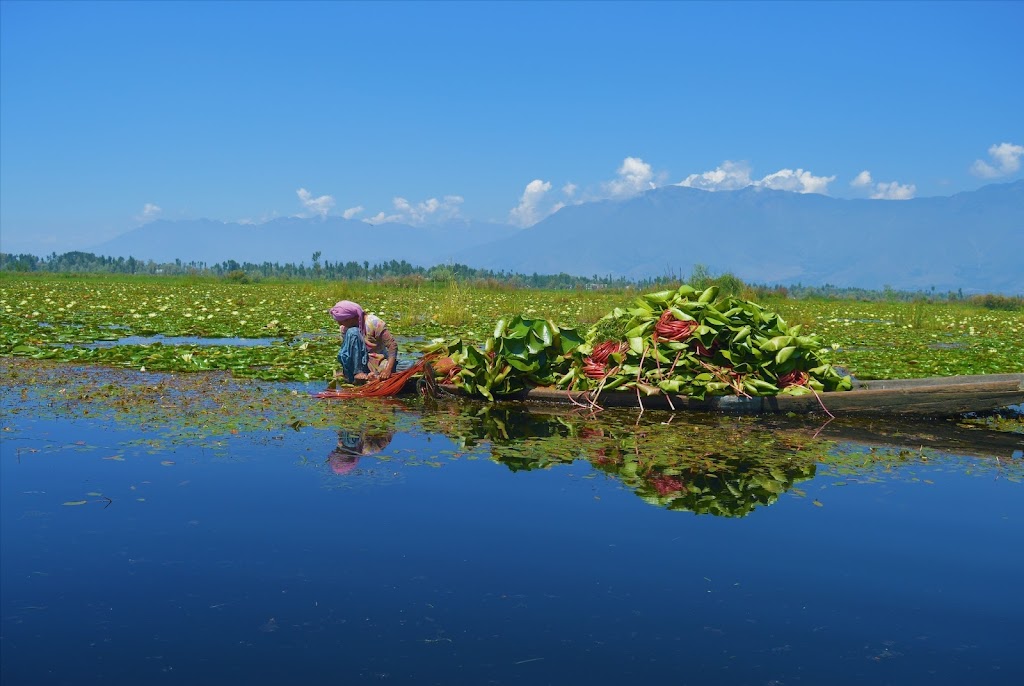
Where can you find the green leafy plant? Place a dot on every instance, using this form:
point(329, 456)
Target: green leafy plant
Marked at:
point(690, 342)
point(521, 353)
point(454, 306)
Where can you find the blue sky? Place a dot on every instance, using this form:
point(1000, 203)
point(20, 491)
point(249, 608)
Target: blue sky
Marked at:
point(112, 114)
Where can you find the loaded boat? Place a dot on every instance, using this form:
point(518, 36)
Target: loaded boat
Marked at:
point(934, 396)
point(943, 396)
point(685, 350)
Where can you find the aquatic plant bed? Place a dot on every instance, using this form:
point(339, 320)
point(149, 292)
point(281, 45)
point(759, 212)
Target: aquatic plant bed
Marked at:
point(55, 317)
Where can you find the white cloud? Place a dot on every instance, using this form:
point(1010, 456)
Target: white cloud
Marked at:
point(1005, 158)
point(635, 176)
point(528, 212)
point(863, 180)
point(569, 189)
point(893, 191)
point(431, 210)
point(320, 206)
point(798, 181)
point(352, 211)
point(149, 213)
point(731, 176)
point(882, 190)
point(381, 218)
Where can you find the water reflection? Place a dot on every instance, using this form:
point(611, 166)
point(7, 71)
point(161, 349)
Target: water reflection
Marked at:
point(703, 463)
point(720, 466)
point(494, 544)
point(710, 464)
point(353, 445)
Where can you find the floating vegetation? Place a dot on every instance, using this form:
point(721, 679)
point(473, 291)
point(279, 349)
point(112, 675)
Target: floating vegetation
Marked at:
point(707, 464)
point(177, 341)
point(40, 315)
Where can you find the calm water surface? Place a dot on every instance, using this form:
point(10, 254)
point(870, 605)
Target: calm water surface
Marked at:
point(281, 558)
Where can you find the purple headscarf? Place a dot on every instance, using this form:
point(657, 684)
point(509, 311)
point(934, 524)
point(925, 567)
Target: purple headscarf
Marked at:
point(346, 309)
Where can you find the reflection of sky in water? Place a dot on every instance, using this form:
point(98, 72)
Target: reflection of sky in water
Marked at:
point(257, 564)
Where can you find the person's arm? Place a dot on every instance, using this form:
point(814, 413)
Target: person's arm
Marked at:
point(390, 346)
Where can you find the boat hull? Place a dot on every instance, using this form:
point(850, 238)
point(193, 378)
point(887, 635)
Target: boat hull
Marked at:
point(929, 397)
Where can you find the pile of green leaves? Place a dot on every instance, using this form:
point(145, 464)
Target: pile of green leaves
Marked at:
point(519, 355)
point(736, 347)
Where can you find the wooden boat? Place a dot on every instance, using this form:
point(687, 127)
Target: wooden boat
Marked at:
point(929, 397)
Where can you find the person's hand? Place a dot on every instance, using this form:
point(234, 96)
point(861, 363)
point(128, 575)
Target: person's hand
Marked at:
point(385, 373)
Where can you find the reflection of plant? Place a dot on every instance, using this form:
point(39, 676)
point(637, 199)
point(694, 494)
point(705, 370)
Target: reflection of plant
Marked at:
point(725, 467)
point(729, 487)
point(520, 440)
point(729, 472)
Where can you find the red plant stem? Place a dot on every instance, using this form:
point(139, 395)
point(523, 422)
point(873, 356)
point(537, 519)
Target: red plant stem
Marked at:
point(675, 362)
point(821, 403)
point(639, 372)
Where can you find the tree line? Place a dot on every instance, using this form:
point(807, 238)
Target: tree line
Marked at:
point(78, 262)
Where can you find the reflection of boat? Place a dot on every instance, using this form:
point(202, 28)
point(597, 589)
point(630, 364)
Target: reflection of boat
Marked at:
point(944, 396)
point(944, 437)
point(893, 434)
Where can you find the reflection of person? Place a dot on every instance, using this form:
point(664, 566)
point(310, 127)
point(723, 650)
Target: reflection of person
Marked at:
point(368, 349)
point(351, 446)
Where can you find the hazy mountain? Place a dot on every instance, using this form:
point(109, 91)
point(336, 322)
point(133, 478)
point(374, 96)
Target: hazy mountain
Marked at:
point(293, 239)
point(973, 240)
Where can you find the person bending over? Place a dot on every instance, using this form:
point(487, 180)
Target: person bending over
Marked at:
point(368, 349)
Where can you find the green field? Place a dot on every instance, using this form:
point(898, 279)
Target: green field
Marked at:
point(61, 317)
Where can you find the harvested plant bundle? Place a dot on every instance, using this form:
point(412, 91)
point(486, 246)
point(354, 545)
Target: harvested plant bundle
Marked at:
point(687, 342)
point(521, 354)
point(379, 388)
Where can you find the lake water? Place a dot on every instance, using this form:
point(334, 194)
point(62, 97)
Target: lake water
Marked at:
point(440, 546)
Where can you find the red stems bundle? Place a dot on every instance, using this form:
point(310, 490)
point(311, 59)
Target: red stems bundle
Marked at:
point(596, 366)
point(671, 329)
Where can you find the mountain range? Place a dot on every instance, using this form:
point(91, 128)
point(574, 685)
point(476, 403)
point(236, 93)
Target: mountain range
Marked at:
point(972, 241)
